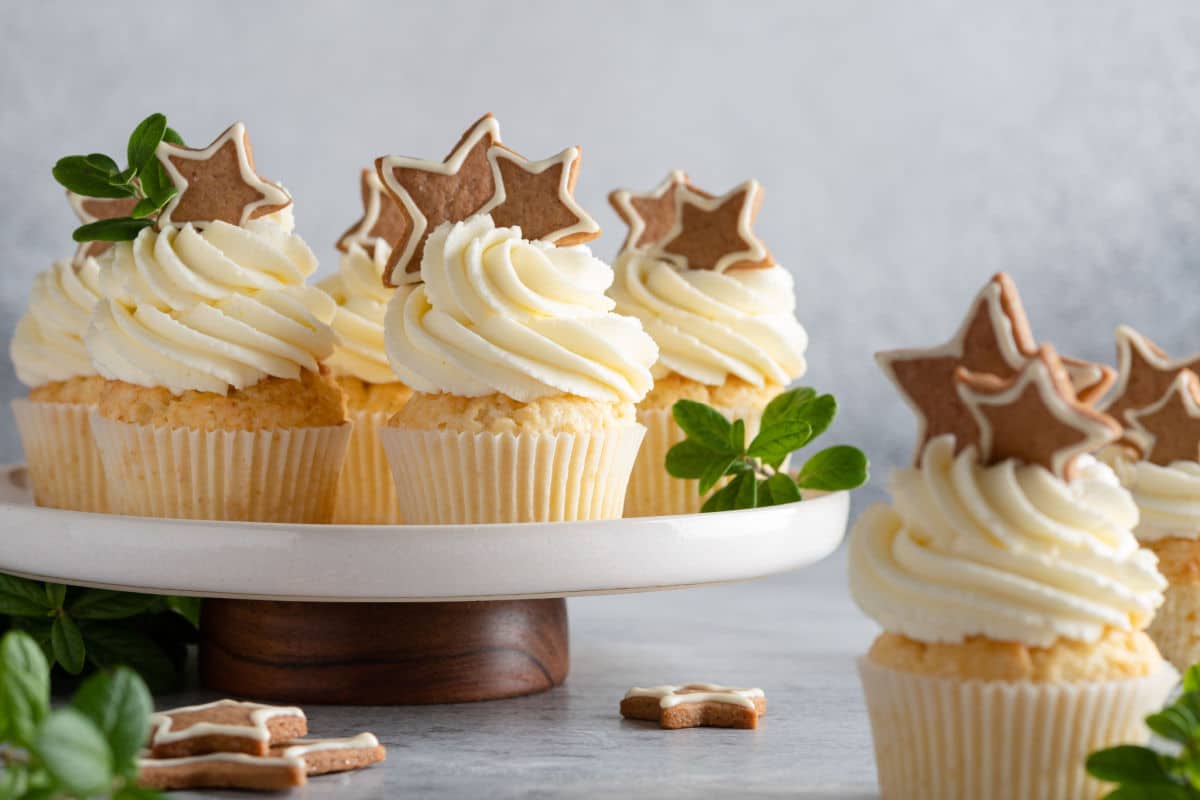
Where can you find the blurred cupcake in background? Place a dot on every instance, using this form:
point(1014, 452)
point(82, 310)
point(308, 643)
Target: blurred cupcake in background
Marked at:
point(525, 379)
point(48, 353)
point(366, 493)
point(216, 405)
point(721, 311)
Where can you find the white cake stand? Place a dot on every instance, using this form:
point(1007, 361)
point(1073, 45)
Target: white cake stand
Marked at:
point(334, 613)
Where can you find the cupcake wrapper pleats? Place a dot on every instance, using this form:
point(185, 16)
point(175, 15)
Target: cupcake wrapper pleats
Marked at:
point(63, 462)
point(366, 493)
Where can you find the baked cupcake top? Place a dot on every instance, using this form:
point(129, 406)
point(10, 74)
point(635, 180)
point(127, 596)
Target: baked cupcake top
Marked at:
point(1007, 527)
point(498, 295)
point(704, 286)
point(358, 287)
point(1158, 399)
point(210, 294)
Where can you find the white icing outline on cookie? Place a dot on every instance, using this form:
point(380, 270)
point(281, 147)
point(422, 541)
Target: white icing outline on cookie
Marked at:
point(755, 250)
point(584, 223)
point(670, 696)
point(162, 733)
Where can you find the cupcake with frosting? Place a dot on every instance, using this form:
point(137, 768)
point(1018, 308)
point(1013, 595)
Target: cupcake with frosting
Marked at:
point(1158, 399)
point(50, 358)
point(216, 404)
point(366, 492)
point(721, 311)
point(1011, 590)
point(525, 380)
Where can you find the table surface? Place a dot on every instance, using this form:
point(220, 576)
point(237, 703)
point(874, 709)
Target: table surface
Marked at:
point(796, 636)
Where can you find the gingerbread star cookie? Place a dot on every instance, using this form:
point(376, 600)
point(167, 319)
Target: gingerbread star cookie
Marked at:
point(716, 233)
point(382, 219)
point(538, 197)
point(222, 771)
point(1170, 427)
point(1145, 373)
point(695, 705)
point(1034, 416)
point(217, 182)
point(224, 726)
point(323, 756)
point(93, 209)
point(650, 215)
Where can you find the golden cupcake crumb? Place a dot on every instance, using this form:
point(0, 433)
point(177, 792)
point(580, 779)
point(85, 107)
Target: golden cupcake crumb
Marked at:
point(1178, 559)
point(312, 401)
point(84, 390)
point(1176, 625)
point(1117, 654)
point(497, 413)
point(733, 393)
point(363, 396)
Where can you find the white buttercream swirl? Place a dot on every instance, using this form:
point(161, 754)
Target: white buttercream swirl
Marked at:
point(48, 343)
point(1168, 498)
point(1008, 551)
point(711, 325)
point(499, 314)
point(362, 299)
point(210, 310)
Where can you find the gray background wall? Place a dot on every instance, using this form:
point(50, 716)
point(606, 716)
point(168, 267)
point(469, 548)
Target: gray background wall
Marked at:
point(908, 150)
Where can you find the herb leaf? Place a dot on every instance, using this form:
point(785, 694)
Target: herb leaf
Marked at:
point(186, 607)
point(105, 604)
point(68, 644)
point(83, 177)
point(717, 468)
point(117, 229)
point(24, 687)
point(1128, 763)
point(704, 425)
point(120, 706)
point(75, 754)
point(774, 444)
point(144, 140)
point(834, 469)
point(779, 489)
point(22, 598)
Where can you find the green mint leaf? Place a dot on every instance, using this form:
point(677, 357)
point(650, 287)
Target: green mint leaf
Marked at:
point(169, 135)
point(747, 494)
point(187, 607)
point(1128, 764)
point(689, 459)
point(1136, 792)
point(75, 754)
point(1175, 722)
point(737, 436)
point(14, 781)
point(779, 489)
point(24, 687)
point(787, 405)
point(119, 704)
point(119, 229)
point(111, 645)
point(717, 468)
point(83, 177)
point(725, 498)
point(102, 163)
point(703, 424)
point(144, 140)
point(1191, 678)
point(834, 469)
point(68, 644)
point(774, 444)
point(144, 208)
point(105, 604)
point(22, 598)
point(56, 595)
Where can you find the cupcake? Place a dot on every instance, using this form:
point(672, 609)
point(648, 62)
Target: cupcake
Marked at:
point(1158, 399)
point(1012, 593)
point(525, 380)
point(50, 358)
point(216, 404)
point(366, 493)
point(720, 310)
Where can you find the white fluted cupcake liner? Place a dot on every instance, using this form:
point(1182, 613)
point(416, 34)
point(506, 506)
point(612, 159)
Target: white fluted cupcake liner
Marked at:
point(1175, 628)
point(285, 475)
point(653, 492)
point(445, 477)
point(366, 493)
point(63, 462)
point(945, 739)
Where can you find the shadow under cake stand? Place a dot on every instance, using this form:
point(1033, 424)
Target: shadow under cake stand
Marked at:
point(399, 614)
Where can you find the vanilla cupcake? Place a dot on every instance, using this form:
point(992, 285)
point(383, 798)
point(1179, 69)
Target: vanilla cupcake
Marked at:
point(1012, 592)
point(216, 405)
point(366, 492)
point(525, 381)
point(1158, 399)
point(721, 311)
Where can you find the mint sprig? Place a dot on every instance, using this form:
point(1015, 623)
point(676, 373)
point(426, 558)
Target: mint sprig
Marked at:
point(85, 750)
point(99, 175)
point(716, 447)
point(1142, 773)
point(87, 629)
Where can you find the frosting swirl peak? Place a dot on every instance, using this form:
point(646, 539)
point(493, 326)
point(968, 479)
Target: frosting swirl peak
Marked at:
point(362, 299)
point(48, 343)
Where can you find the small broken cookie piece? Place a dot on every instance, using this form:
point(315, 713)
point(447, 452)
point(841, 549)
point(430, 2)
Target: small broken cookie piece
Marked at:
point(695, 705)
point(222, 771)
point(322, 756)
point(224, 726)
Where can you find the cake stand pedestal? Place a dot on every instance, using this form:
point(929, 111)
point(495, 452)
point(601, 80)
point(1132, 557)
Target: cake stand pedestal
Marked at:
point(398, 614)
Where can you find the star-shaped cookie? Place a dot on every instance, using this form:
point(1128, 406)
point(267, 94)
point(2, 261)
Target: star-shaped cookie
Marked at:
point(538, 197)
point(1034, 416)
point(716, 233)
point(650, 215)
point(92, 209)
point(224, 726)
point(1170, 427)
point(382, 219)
point(1144, 373)
point(695, 705)
point(217, 182)
point(432, 192)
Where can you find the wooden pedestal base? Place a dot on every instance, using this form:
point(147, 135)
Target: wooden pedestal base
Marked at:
point(383, 653)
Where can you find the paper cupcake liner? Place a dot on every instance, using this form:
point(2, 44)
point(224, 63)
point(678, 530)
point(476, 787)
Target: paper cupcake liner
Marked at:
point(653, 492)
point(254, 476)
point(63, 462)
point(939, 738)
point(445, 477)
point(366, 493)
point(1176, 625)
